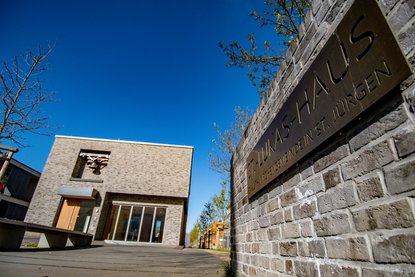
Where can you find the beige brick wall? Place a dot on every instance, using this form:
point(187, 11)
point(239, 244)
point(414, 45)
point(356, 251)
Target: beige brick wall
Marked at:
point(347, 209)
point(133, 168)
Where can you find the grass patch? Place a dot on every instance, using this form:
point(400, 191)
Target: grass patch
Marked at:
point(29, 244)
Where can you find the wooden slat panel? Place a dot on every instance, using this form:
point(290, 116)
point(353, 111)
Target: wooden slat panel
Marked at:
point(69, 214)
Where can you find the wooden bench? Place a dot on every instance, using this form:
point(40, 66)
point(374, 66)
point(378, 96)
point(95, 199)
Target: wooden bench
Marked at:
point(12, 233)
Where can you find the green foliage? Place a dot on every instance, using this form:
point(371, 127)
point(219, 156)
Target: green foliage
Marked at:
point(221, 203)
point(284, 17)
point(194, 235)
point(206, 217)
point(215, 210)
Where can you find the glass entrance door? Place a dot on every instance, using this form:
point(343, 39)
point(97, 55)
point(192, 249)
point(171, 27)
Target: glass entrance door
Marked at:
point(135, 223)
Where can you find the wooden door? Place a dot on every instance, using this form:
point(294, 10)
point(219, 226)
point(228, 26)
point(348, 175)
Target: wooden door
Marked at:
point(68, 214)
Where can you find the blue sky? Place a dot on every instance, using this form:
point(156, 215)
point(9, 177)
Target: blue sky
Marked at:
point(147, 71)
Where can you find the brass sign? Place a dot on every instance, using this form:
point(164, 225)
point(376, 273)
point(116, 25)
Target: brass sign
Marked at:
point(360, 63)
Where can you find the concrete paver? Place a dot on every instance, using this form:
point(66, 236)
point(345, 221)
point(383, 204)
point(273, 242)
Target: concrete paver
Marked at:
point(112, 260)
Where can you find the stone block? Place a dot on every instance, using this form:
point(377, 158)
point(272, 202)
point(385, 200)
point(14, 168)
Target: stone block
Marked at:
point(262, 210)
point(277, 264)
point(289, 267)
point(387, 216)
point(307, 208)
point(305, 41)
point(252, 271)
point(274, 233)
point(288, 248)
point(405, 143)
point(288, 214)
point(400, 177)
point(255, 248)
point(409, 94)
point(275, 191)
point(397, 272)
point(387, 5)
point(337, 270)
point(273, 205)
point(265, 248)
point(370, 188)
point(321, 12)
point(388, 122)
point(288, 198)
point(406, 38)
point(312, 248)
point(332, 224)
point(305, 268)
point(263, 221)
point(292, 182)
point(253, 225)
point(336, 198)
point(262, 234)
point(290, 230)
point(331, 178)
point(263, 199)
point(275, 248)
point(306, 228)
point(355, 249)
point(332, 156)
point(315, 6)
point(309, 188)
point(272, 274)
point(276, 218)
point(368, 160)
point(394, 248)
point(401, 14)
point(264, 262)
point(307, 170)
point(245, 269)
point(334, 11)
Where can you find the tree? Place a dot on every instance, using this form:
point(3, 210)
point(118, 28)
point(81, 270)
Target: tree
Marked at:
point(220, 159)
point(284, 17)
point(221, 203)
point(227, 141)
point(206, 217)
point(22, 94)
point(194, 235)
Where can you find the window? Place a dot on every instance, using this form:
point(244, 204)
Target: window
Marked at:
point(90, 163)
point(135, 223)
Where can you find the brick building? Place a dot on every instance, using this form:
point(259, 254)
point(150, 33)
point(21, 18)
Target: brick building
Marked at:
point(119, 191)
point(216, 236)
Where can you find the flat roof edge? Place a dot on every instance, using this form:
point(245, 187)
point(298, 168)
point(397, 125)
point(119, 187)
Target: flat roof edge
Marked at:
point(23, 166)
point(126, 141)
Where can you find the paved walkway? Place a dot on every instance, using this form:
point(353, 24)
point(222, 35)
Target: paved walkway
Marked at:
point(112, 260)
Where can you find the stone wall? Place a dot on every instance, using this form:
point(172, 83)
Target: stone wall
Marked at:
point(347, 208)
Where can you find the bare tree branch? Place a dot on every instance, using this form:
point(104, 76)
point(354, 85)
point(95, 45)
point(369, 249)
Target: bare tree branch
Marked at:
point(227, 141)
point(22, 95)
